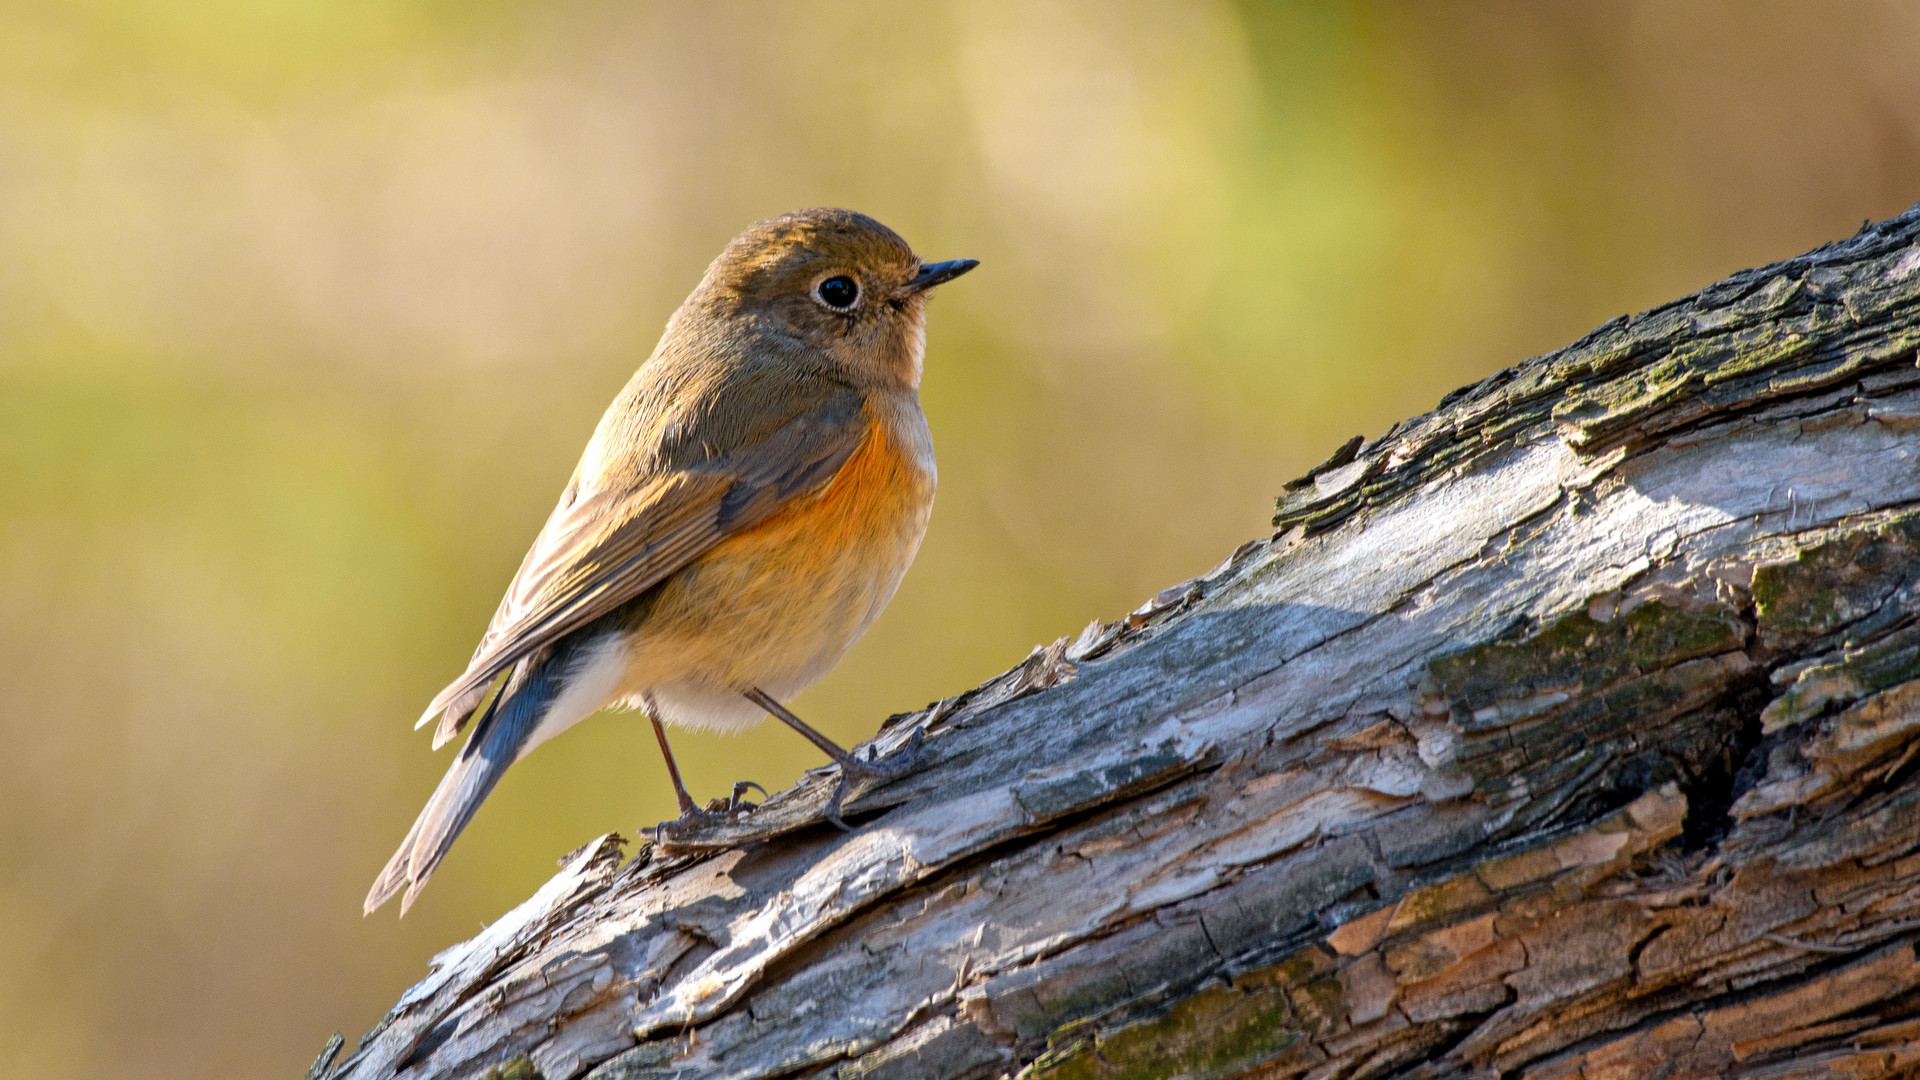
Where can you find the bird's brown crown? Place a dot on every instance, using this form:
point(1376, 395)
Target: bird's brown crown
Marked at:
point(767, 255)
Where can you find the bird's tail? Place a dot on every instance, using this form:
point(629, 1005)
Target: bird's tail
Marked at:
point(497, 741)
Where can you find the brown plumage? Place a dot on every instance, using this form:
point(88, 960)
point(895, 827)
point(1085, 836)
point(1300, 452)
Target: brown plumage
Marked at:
point(745, 509)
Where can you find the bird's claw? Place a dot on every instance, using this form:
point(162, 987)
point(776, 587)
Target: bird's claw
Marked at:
point(735, 803)
point(732, 806)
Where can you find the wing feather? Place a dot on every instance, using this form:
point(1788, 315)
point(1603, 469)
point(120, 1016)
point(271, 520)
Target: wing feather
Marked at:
point(603, 547)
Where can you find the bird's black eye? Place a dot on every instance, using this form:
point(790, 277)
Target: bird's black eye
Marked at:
point(838, 292)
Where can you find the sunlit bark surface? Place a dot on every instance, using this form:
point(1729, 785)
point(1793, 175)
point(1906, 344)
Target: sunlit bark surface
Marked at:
point(1570, 730)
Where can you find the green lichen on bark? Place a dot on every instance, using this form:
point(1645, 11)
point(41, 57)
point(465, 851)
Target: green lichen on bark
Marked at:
point(1578, 654)
point(1440, 902)
point(1602, 711)
point(1847, 677)
point(647, 1061)
point(518, 1069)
point(1844, 599)
point(1835, 583)
point(1220, 1031)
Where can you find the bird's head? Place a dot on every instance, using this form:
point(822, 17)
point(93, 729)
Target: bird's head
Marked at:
point(823, 286)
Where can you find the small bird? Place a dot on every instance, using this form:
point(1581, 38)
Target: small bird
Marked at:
point(743, 512)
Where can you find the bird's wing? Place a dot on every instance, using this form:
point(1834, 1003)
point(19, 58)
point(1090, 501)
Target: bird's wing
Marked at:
point(603, 547)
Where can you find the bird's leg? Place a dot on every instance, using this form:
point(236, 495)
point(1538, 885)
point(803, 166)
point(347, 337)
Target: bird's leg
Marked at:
point(851, 767)
point(849, 764)
point(687, 808)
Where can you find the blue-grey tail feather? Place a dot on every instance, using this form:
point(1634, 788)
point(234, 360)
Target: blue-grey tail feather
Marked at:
point(495, 743)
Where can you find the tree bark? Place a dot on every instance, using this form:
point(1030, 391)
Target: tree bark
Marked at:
point(1569, 730)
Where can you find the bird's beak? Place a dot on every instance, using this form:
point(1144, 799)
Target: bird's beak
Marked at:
point(932, 274)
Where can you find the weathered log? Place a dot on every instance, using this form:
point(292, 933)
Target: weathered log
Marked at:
point(1572, 729)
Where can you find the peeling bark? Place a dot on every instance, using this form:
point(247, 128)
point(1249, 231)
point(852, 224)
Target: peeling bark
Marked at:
point(1570, 730)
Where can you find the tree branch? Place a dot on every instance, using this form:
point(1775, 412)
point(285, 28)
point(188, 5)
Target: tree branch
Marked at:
point(1568, 730)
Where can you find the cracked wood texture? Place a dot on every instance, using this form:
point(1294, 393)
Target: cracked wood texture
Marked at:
point(1570, 730)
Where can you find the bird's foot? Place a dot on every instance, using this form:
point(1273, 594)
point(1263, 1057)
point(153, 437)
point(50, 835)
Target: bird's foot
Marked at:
point(727, 809)
point(854, 767)
point(899, 763)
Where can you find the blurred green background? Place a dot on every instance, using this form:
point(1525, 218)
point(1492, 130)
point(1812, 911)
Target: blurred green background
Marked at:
point(306, 310)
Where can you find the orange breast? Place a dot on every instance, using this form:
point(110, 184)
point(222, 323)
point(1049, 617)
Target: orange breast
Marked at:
point(777, 604)
point(865, 500)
